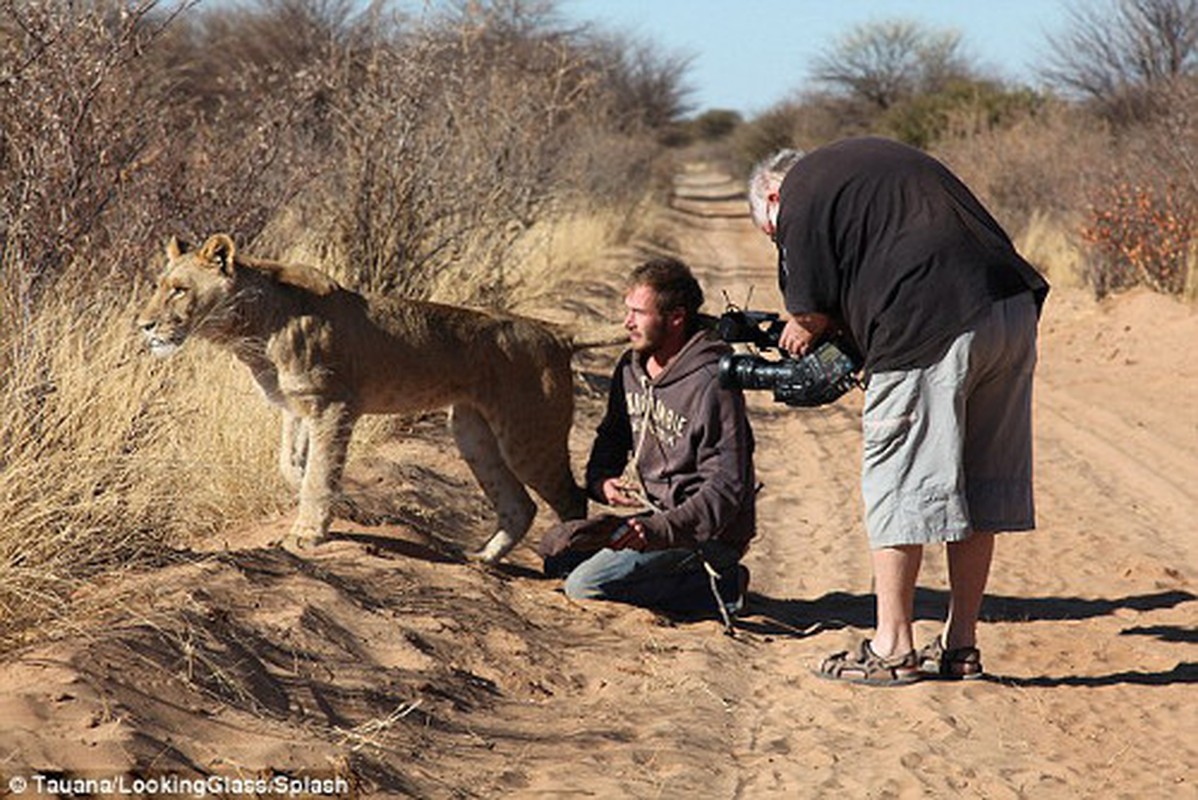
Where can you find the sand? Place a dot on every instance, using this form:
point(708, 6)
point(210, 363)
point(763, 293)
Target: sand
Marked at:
point(384, 664)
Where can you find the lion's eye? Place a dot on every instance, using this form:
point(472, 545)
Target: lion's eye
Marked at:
point(178, 291)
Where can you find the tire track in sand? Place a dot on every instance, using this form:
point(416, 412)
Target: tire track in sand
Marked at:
point(1088, 630)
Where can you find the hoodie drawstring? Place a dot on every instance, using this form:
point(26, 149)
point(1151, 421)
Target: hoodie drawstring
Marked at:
point(641, 492)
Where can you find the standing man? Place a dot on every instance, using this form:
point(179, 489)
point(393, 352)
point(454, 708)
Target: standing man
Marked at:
point(883, 242)
point(674, 445)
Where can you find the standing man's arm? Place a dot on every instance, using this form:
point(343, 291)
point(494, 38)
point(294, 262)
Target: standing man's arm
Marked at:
point(804, 330)
point(807, 272)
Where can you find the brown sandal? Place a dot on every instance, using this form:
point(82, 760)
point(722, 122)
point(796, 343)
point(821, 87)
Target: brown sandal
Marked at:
point(958, 664)
point(870, 669)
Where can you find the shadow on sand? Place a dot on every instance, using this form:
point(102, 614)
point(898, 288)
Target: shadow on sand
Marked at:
point(790, 618)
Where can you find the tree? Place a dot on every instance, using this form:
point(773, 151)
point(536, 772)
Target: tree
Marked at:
point(884, 62)
point(961, 108)
point(1118, 50)
point(647, 86)
point(716, 123)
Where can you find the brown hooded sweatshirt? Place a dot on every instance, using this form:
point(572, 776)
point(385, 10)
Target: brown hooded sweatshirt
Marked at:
point(696, 461)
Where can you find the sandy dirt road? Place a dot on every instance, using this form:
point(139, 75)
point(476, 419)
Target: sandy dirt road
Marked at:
point(387, 660)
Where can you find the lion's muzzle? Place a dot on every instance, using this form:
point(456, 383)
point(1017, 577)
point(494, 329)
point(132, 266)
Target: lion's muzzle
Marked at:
point(160, 346)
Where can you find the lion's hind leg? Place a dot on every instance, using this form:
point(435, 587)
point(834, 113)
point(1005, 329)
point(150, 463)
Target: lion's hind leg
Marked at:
point(507, 494)
point(551, 478)
point(537, 449)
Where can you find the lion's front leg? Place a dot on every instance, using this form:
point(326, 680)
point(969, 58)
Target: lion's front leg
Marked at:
point(293, 449)
point(328, 435)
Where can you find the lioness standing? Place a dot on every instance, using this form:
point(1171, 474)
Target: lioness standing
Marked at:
point(326, 356)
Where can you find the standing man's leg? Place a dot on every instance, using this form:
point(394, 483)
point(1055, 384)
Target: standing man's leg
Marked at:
point(911, 483)
point(896, 570)
point(968, 571)
point(913, 487)
point(998, 466)
point(997, 455)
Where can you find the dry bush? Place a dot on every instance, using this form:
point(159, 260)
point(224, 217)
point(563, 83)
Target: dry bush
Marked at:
point(789, 124)
point(960, 109)
point(1141, 220)
point(107, 141)
point(441, 171)
point(68, 142)
point(644, 84)
point(453, 140)
point(1121, 53)
point(107, 456)
point(882, 62)
point(1042, 166)
point(1141, 234)
point(466, 151)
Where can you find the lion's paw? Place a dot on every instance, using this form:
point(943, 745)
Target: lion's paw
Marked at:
point(482, 557)
point(493, 552)
point(304, 539)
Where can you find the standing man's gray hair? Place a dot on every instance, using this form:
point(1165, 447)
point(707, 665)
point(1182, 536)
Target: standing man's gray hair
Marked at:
point(766, 176)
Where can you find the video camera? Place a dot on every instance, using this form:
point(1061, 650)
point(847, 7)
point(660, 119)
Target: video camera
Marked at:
point(818, 378)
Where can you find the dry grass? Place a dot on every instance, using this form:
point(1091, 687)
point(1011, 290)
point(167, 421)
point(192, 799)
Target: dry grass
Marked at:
point(1190, 292)
point(393, 155)
point(107, 455)
point(555, 249)
point(1052, 245)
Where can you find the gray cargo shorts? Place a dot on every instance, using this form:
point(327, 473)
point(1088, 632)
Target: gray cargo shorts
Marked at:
point(948, 448)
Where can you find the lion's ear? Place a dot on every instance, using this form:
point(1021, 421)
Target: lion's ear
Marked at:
point(219, 249)
point(175, 248)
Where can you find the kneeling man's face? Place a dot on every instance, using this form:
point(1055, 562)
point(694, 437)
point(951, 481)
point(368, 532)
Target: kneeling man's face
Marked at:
point(646, 325)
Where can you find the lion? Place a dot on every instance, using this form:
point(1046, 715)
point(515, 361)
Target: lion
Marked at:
point(326, 356)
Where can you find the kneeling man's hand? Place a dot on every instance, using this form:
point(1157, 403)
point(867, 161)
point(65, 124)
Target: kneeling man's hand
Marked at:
point(633, 537)
point(617, 492)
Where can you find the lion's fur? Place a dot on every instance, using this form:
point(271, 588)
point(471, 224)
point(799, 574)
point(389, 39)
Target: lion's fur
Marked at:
point(327, 355)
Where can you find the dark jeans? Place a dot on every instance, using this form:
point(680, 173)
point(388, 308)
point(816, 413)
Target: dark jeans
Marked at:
point(667, 580)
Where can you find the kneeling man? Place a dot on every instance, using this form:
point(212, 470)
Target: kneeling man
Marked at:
point(677, 447)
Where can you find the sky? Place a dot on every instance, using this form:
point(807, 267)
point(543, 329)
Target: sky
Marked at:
point(751, 54)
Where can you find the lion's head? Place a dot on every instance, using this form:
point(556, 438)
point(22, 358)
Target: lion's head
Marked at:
point(193, 292)
point(206, 292)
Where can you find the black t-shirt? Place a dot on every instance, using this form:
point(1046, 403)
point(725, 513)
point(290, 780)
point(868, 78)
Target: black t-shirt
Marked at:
point(887, 239)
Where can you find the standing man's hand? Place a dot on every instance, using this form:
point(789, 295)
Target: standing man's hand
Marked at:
point(802, 331)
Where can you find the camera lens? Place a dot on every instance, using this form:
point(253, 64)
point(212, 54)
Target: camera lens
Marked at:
point(752, 372)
